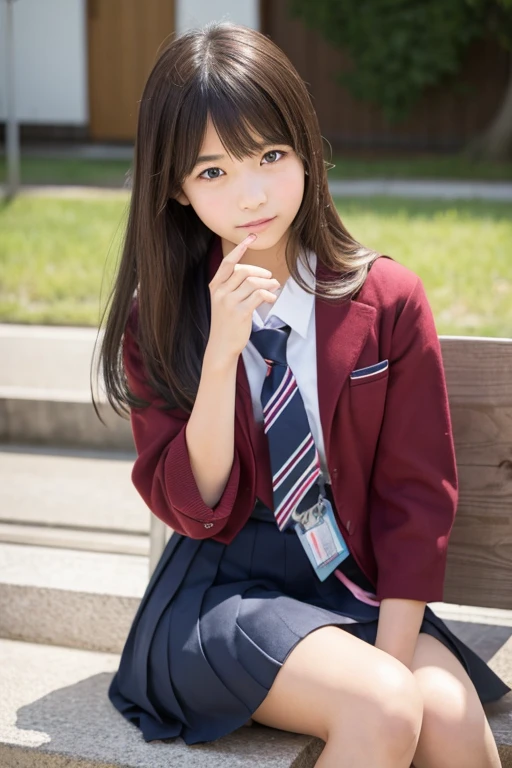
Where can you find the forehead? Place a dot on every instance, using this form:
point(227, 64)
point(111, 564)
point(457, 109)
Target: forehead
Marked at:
point(212, 140)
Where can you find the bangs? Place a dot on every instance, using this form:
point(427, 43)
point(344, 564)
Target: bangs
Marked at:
point(244, 116)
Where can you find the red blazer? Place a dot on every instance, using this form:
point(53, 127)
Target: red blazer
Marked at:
point(388, 438)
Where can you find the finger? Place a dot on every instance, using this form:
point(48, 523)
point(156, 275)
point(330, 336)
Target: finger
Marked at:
point(227, 265)
point(236, 254)
point(244, 288)
point(258, 297)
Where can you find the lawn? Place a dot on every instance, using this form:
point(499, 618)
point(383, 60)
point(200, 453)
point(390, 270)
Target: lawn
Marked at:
point(349, 165)
point(42, 170)
point(58, 256)
point(427, 166)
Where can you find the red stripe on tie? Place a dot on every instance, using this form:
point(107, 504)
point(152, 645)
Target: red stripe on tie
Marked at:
point(294, 501)
point(283, 400)
point(287, 467)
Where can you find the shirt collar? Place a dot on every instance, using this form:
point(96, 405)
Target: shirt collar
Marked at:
point(293, 306)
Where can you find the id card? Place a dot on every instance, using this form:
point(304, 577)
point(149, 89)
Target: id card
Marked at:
point(321, 538)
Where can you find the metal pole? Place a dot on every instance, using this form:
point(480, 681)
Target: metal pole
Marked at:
point(12, 128)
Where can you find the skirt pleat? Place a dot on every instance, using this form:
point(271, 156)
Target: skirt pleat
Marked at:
point(217, 622)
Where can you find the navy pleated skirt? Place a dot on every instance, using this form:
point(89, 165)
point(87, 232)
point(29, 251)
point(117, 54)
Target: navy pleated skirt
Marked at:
point(217, 621)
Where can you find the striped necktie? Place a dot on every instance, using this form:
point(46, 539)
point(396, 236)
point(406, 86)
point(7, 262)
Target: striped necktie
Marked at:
point(294, 459)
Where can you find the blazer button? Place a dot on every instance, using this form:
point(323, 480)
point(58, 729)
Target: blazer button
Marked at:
point(207, 525)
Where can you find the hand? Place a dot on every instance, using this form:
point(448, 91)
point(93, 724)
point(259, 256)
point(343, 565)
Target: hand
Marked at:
point(236, 290)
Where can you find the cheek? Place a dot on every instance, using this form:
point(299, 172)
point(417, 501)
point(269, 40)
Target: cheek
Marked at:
point(206, 205)
point(291, 188)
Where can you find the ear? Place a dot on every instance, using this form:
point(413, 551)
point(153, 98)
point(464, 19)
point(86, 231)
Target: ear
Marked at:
point(181, 198)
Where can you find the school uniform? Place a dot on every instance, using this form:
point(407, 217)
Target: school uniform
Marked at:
point(232, 594)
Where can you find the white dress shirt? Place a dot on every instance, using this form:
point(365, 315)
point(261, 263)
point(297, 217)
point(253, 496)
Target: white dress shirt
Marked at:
point(293, 307)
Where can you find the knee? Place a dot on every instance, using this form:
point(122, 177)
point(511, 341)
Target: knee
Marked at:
point(449, 712)
point(398, 708)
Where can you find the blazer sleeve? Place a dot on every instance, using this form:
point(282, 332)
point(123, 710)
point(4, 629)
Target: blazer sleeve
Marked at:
point(162, 472)
point(414, 487)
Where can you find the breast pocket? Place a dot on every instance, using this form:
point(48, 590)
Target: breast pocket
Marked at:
point(370, 373)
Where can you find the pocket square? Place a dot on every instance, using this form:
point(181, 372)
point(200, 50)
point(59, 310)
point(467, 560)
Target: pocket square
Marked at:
point(370, 370)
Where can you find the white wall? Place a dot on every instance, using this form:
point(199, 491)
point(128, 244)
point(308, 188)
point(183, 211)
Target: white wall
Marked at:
point(50, 61)
point(195, 13)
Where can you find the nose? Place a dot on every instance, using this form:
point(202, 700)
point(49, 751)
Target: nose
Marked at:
point(252, 194)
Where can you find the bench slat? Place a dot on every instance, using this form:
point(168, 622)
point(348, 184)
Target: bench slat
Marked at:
point(479, 380)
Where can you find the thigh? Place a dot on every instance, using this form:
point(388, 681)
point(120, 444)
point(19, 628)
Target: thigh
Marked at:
point(332, 677)
point(455, 731)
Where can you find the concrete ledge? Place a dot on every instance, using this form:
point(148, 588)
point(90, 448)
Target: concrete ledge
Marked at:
point(66, 538)
point(64, 418)
point(55, 713)
point(69, 597)
point(71, 489)
point(85, 600)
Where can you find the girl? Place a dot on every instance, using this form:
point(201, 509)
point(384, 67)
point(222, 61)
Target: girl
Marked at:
point(290, 416)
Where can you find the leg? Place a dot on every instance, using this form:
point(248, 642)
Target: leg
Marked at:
point(361, 701)
point(455, 731)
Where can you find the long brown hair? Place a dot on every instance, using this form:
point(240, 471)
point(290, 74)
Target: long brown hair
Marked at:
point(244, 82)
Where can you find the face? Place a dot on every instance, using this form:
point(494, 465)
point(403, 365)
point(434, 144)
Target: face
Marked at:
point(227, 193)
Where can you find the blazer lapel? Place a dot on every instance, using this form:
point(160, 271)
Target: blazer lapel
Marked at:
point(341, 332)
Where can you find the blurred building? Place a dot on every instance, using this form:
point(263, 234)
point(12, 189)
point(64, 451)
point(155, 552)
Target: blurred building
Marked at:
point(81, 66)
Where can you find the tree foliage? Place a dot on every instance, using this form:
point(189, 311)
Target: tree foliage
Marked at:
point(400, 47)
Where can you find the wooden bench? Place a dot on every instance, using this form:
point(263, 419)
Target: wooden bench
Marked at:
point(479, 380)
point(479, 567)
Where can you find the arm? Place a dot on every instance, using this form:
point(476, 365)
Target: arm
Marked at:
point(399, 627)
point(164, 472)
point(414, 487)
point(210, 431)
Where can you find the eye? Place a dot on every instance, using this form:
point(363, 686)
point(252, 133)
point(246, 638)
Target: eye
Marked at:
point(273, 152)
point(212, 178)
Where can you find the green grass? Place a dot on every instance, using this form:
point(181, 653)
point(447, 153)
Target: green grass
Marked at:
point(41, 170)
point(460, 249)
point(434, 167)
point(58, 256)
point(106, 173)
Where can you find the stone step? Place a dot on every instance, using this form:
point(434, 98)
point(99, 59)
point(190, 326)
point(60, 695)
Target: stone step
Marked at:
point(45, 391)
point(84, 602)
point(71, 538)
point(55, 713)
point(85, 490)
point(49, 357)
point(60, 417)
point(86, 599)
point(69, 597)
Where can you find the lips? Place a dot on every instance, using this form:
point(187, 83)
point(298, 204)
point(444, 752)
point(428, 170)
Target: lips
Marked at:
point(254, 223)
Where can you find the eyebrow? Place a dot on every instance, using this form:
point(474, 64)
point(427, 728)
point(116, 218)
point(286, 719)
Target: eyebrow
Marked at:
point(210, 158)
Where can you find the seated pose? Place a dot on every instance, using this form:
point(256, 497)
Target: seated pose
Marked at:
point(290, 415)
